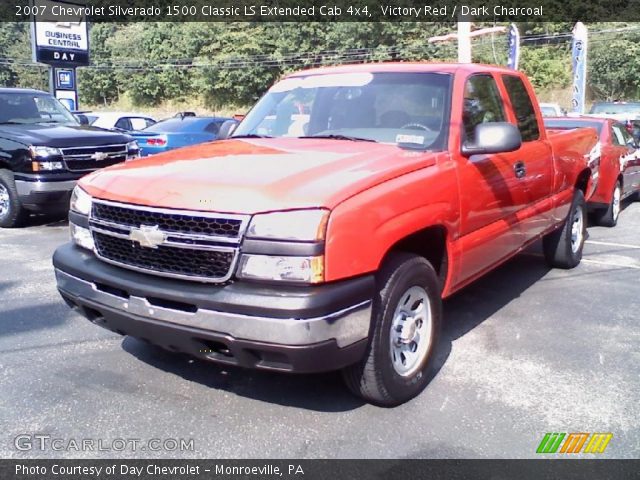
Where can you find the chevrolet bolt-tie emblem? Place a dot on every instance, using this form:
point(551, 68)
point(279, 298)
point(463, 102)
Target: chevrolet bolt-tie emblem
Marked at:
point(148, 236)
point(99, 156)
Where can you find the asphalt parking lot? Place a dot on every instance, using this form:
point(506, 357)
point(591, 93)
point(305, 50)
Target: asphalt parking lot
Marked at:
point(527, 351)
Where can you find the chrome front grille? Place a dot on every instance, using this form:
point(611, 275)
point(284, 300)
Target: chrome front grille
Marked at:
point(85, 159)
point(188, 223)
point(198, 246)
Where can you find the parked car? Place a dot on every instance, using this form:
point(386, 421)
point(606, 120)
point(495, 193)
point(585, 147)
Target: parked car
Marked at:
point(331, 249)
point(123, 121)
point(619, 167)
point(178, 132)
point(551, 110)
point(44, 151)
point(627, 113)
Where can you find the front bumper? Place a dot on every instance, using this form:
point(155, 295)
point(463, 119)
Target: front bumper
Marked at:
point(40, 194)
point(297, 329)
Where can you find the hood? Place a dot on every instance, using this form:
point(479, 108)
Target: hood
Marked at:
point(61, 136)
point(257, 175)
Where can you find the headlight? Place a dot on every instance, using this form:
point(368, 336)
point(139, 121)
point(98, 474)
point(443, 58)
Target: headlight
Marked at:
point(80, 201)
point(291, 269)
point(133, 150)
point(46, 166)
point(303, 225)
point(81, 236)
point(43, 152)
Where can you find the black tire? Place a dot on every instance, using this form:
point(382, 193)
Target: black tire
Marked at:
point(558, 245)
point(375, 378)
point(609, 217)
point(15, 215)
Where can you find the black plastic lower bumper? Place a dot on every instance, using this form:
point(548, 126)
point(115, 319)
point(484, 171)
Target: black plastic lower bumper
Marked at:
point(45, 193)
point(294, 329)
point(46, 202)
point(319, 357)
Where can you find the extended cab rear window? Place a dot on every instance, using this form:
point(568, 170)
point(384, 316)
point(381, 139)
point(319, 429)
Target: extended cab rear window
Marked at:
point(523, 107)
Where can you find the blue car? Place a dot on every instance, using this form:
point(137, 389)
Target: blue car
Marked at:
point(177, 132)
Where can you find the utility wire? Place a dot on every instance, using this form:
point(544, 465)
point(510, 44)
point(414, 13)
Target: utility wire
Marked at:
point(325, 57)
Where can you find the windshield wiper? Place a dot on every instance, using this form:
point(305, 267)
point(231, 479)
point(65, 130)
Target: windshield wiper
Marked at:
point(11, 123)
point(335, 136)
point(250, 135)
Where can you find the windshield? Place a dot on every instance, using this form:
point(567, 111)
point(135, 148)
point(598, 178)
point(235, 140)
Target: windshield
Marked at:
point(30, 108)
point(614, 108)
point(394, 108)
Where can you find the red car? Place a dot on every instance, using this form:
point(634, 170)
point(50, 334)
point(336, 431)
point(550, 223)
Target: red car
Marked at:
point(325, 237)
point(618, 175)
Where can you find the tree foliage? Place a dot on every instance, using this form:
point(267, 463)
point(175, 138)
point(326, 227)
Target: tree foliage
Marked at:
point(614, 69)
point(234, 63)
point(547, 67)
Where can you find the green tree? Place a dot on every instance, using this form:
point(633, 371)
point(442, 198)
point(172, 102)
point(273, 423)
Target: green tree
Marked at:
point(100, 83)
point(15, 51)
point(547, 66)
point(614, 68)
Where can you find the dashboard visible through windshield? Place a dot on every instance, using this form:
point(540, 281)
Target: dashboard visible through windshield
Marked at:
point(395, 108)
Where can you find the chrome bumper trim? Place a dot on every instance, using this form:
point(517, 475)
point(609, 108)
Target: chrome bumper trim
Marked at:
point(346, 326)
point(25, 188)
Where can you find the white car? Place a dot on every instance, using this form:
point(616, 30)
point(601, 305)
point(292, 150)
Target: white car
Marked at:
point(125, 121)
point(551, 110)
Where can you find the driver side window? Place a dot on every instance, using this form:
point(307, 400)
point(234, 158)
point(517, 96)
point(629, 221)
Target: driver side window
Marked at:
point(482, 104)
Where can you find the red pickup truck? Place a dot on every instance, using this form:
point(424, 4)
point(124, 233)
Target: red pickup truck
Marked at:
point(617, 175)
point(326, 231)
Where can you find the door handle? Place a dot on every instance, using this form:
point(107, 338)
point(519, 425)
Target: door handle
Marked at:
point(519, 169)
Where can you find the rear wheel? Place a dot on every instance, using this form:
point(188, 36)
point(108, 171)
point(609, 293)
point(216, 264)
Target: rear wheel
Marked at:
point(563, 247)
point(609, 216)
point(11, 212)
point(404, 334)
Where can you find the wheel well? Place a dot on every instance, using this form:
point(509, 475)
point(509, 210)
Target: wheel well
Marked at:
point(582, 183)
point(430, 243)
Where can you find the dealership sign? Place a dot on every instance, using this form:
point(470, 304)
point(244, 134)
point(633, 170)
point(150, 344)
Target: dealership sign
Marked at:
point(59, 33)
point(514, 47)
point(579, 63)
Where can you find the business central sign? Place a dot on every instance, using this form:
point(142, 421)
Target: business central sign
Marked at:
point(59, 33)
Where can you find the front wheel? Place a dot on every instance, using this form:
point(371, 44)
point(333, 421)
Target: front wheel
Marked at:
point(405, 328)
point(563, 247)
point(12, 214)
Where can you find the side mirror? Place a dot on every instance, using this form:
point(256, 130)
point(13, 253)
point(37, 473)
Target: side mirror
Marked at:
point(493, 137)
point(227, 128)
